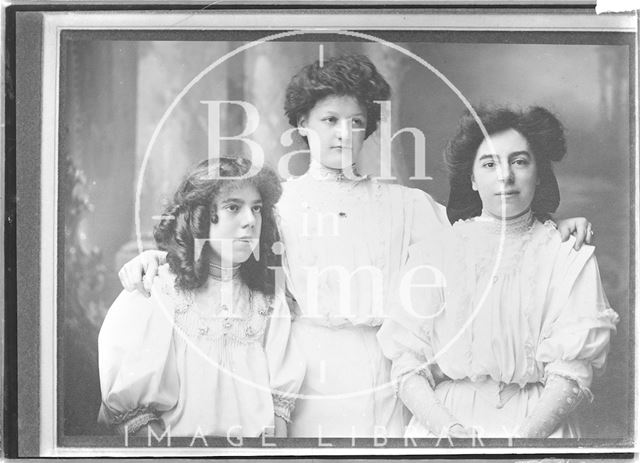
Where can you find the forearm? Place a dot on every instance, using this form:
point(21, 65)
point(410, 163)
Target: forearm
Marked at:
point(420, 398)
point(138, 425)
point(559, 398)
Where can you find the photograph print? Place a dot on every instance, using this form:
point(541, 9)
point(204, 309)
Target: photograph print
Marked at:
point(351, 232)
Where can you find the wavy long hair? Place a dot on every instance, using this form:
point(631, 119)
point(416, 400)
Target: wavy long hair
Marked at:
point(193, 208)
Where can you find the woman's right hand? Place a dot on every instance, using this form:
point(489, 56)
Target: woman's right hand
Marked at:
point(139, 272)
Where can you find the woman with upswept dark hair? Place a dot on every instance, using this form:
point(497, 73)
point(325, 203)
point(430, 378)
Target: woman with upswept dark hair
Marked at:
point(214, 328)
point(352, 75)
point(521, 322)
point(544, 134)
point(345, 236)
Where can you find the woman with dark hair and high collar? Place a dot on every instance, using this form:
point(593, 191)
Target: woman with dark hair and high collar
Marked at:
point(519, 322)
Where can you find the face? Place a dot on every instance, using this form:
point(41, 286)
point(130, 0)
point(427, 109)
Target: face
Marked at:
point(505, 173)
point(335, 129)
point(237, 231)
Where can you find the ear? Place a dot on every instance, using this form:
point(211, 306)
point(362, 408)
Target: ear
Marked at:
point(474, 186)
point(302, 125)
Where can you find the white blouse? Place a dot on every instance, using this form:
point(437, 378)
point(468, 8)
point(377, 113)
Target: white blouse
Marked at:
point(215, 362)
point(514, 309)
point(345, 242)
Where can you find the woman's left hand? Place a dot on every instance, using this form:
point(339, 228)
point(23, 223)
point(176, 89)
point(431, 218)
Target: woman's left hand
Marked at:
point(580, 228)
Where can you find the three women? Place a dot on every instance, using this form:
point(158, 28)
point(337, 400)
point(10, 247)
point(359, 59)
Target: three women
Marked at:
point(346, 240)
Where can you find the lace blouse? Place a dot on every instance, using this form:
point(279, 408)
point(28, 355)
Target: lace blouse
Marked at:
point(515, 304)
point(216, 362)
point(345, 242)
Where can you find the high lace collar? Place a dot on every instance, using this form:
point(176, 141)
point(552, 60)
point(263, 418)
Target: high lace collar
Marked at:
point(324, 173)
point(513, 226)
point(223, 273)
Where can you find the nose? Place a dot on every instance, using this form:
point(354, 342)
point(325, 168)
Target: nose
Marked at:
point(505, 174)
point(247, 217)
point(343, 129)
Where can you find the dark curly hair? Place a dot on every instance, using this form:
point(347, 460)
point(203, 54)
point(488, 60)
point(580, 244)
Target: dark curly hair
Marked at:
point(353, 75)
point(544, 134)
point(192, 210)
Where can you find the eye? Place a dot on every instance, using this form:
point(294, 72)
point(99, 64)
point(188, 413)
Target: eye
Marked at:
point(521, 162)
point(257, 209)
point(357, 122)
point(489, 164)
point(330, 119)
point(232, 207)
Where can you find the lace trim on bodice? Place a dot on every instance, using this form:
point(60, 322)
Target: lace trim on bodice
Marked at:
point(199, 324)
point(474, 262)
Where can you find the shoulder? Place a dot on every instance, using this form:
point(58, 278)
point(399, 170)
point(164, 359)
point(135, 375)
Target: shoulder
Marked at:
point(413, 196)
point(164, 290)
point(263, 303)
point(294, 191)
point(133, 304)
point(164, 282)
point(547, 241)
point(165, 276)
point(292, 185)
point(461, 225)
point(130, 311)
point(463, 229)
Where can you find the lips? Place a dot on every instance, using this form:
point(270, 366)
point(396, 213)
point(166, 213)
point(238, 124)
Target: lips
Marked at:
point(249, 241)
point(507, 193)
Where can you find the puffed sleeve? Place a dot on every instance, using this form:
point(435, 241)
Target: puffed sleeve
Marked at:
point(580, 322)
point(138, 375)
point(405, 335)
point(429, 219)
point(286, 363)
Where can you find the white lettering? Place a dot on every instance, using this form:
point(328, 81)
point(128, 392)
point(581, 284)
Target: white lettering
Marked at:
point(199, 434)
point(386, 140)
point(444, 433)
point(344, 281)
point(151, 432)
point(407, 285)
point(269, 431)
point(379, 436)
point(235, 439)
point(215, 138)
point(320, 442)
point(286, 139)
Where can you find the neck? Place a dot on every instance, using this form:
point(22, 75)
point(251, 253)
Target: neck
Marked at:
point(515, 224)
point(321, 172)
point(525, 213)
point(222, 272)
